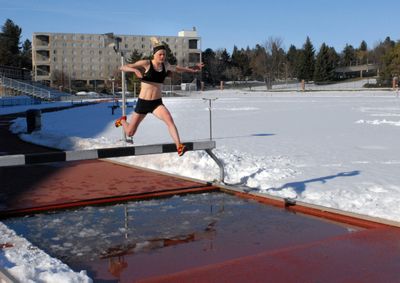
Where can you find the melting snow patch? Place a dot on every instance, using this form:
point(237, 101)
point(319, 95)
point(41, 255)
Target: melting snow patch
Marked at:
point(27, 263)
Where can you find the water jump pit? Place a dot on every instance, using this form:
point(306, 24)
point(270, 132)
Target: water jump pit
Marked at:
point(145, 239)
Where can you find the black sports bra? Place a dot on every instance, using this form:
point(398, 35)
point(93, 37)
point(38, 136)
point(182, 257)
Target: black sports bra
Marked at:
point(153, 76)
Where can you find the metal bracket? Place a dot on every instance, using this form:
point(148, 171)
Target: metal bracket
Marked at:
point(219, 163)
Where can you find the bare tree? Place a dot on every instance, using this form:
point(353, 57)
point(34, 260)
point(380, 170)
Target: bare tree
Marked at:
point(276, 62)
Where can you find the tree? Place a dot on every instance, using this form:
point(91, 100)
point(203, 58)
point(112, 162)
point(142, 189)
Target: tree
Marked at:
point(292, 59)
point(9, 44)
point(276, 59)
point(348, 57)
point(241, 61)
point(380, 50)
point(306, 61)
point(26, 55)
point(362, 53)
point(210, 67)
point(391, 64)
point(325, 64)
point(223, 63)
point(258, 62)
point(132, 79)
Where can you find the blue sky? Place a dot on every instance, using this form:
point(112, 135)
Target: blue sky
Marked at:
point(221, 24)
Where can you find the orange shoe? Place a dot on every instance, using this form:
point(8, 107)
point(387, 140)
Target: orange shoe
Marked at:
point(118, 122)
point(181, 149)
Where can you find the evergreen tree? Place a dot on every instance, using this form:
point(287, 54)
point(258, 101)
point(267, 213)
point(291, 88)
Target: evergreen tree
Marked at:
point(348, 56)
point(223, 63)
point(135, 56)
point(307, 61)
point(26, 55)
point(241, 61)
point(292, 58)
point(209, 71)
point(363, 46)
point(334, 57)
point(9, 44)
point(325, 64)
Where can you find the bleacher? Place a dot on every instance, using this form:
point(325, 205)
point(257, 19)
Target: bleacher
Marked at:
point(18, 81)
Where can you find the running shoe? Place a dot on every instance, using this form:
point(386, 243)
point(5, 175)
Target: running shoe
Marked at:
point(118, 122)
point(181, 149)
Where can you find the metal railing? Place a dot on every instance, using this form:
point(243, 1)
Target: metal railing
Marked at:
point(25, 88)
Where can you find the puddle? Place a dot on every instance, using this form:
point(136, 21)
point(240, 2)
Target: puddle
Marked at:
point(142, 239)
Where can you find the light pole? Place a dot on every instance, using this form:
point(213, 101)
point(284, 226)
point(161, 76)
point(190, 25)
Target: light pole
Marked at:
point(210, 112)
point(114, 41)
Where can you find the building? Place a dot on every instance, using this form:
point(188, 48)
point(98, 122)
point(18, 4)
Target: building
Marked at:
point(74, 59)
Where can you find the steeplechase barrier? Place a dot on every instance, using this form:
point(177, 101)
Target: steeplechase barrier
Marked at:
point(100, 153)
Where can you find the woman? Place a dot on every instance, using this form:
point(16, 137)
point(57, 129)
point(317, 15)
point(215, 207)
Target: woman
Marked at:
point(150, 101)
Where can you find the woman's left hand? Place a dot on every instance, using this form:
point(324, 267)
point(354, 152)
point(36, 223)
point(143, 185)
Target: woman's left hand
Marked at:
point(197, 67)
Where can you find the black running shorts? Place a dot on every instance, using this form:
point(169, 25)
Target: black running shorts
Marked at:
point(147, 106)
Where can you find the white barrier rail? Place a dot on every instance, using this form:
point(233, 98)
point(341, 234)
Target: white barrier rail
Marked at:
point(64, 156)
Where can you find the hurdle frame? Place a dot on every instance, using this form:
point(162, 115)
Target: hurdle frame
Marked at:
point(112, 152)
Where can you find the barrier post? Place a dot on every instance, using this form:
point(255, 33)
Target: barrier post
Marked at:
point(395, 82)
point(303, 85)
point(33, 120)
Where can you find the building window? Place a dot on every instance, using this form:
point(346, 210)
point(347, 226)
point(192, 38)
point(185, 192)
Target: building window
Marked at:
point(192, 43)
point(194, 58)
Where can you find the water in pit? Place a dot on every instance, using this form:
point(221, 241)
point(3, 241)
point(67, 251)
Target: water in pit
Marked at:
point(142, 239)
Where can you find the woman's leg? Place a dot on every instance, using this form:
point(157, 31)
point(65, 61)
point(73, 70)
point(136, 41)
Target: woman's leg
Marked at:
point(162, 113)
point(131, 127)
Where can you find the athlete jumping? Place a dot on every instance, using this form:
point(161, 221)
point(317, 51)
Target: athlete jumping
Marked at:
point(150, 101)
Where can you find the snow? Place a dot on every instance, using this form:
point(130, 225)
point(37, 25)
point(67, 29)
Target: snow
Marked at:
point(337, 149)
point(27, 263)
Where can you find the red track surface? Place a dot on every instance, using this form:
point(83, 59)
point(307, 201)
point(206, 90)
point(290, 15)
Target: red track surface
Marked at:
point(371, 255)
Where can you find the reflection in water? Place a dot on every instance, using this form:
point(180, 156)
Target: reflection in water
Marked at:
point(159, 243)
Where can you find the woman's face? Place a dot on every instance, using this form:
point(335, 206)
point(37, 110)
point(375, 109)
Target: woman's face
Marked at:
point(160, 55)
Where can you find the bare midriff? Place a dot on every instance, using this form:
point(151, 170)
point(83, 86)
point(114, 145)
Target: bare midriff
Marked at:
point(150, 90)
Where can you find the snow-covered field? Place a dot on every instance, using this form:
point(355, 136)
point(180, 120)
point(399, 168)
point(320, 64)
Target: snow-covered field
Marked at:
point(332, 148)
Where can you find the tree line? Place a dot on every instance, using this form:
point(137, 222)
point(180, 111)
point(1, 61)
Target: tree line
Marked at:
point(267, 62)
